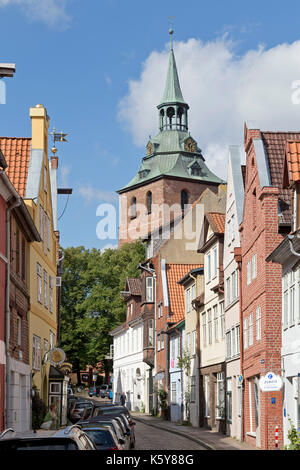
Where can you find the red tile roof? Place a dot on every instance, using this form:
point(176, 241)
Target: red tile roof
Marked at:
point(275, 145)
point(134, 285)
point(293, 160)
point(16, 151)
point(218, 221)
point(175, 272)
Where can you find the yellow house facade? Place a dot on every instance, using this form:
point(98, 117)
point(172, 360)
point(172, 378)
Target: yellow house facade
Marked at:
point(43, 255)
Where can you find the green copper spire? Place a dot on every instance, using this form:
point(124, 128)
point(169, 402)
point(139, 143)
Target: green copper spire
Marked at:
point(172, 93)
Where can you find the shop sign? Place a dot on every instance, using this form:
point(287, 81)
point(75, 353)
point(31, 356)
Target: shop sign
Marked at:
point(270, 382)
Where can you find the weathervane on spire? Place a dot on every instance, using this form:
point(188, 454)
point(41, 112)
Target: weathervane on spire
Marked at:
point(57, 137)
point(171, 30)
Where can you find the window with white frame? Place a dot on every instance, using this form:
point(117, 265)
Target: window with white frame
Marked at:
point(49, 233)
point(207, 396)
point(149, 289)
point(204, 328)
point(41, 222)
point(254, 266)
point(51, 294)
point(249, 273)
point(258, 323)
point(238, 339)
point(188, 300)
point(52, 340)
point(216, 322)
point(222, 320)
point(45, 289)
point(188, 343)
point(150, 333)
point(229, 399)
point(233, 342)
point(291, 297)
point(39, 283)
point(173, 392)
point(46, 234)
point(228, 288)
point(36, 352)
point(209, 267)
point(215, 261)
point(193, 291)
point(193, 343)
point(250, 329)
point(209, 322)
point(228, 344)
point(220, 414)
point(162, 340)
point(246, 333)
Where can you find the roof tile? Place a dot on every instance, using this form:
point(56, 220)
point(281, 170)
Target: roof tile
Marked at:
point(16, 151)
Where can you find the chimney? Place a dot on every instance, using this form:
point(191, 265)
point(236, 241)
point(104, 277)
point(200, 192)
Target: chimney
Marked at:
point(39, 126)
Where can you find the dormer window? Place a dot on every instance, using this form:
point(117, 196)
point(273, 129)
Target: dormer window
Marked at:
point(143, 173)
point(149, 289)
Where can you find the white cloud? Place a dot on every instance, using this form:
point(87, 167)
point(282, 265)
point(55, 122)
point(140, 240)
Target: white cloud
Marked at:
point(90, 194)
point(51, 12)
point(223, 90)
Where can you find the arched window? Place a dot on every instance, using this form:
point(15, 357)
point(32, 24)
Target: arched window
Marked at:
point(184, 199)
point(179, 117)
point(149, 202)
point(133, 208)
point(170, 114)
point(162, 115)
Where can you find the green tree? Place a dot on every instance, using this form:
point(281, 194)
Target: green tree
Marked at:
point(91, 304)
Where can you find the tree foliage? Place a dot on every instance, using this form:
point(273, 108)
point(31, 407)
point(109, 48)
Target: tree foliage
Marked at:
point(91, 304)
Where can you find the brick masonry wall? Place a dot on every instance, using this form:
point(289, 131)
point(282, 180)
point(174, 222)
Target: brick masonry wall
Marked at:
point(259, 235)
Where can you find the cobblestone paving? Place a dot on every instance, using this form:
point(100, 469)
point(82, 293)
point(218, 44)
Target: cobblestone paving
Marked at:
point(149, 438)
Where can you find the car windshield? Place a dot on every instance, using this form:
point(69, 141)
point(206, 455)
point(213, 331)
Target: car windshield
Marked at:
point(38, 444)
point(100, 437)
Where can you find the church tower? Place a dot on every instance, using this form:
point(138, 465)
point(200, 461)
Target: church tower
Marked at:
point(173, 172)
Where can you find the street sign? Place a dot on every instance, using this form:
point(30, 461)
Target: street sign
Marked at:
point(240, 379)
point(270, 382)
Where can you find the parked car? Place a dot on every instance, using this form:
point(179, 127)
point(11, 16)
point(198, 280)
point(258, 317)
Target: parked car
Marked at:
point(94, 391)
point(116, 424)
point(103, 437)
point(70, 438)
point(120, 411)
point(104, 391)
point(78, 408)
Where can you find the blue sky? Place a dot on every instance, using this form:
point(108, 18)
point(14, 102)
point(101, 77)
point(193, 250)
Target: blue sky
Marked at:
point(99, 67)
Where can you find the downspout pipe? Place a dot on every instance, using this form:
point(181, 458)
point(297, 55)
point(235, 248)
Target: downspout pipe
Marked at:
point(7, 309)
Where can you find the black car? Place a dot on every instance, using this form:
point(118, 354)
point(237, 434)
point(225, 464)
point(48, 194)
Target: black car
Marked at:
point(120, 411)
point(116, 424)
point(103, 437)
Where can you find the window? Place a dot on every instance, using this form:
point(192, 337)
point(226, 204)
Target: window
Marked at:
point(193, 291)
point(249, 273)
point(215, 308)
point(254, 266)
point(158, 342)
point(46, 289)
point(229, 399)
point(46, 233)
point(46, 346)
point(173, 349)
point(45, 179)
point(49, 233)
point(52, 340)
point(204, 328)
point(233, 342)
point(188, 343)
point(245, 333)
point(222, 320)
point(238, 338)
point(39, 283)
point(209, 267)
point(162, 345)
point(133, 208)
point(207, 396)
point(41, 222)
point(149, 289)
point(149, 202)
point(51, 294)
point(258, 323)
point(188, 300)
point(193, 388)
point(194, 343)
point(228, 286)
point(173, 393)
point(19, 330)
point(233, 227)
point(234, 285)
point(184, 199)
point(36, 352)
point(220, 414)
point(228, 344)
point(209, 326)
point(215, 262)
point(250, 329)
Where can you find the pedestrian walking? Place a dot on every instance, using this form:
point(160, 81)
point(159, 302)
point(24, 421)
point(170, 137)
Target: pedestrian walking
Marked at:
point(111, 395)
point(123, 399)
point(51, 420)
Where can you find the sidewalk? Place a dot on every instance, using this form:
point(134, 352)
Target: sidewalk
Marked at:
point(209, 439)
